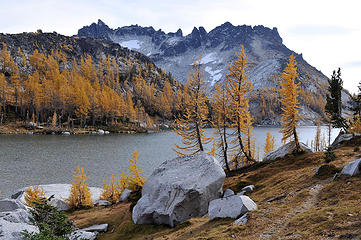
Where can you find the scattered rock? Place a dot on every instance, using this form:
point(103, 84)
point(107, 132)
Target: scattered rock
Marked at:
point(97, 228)
point(228, 193)
point(352, 168)
point(180, 189)
point(101, 132)
point(39, 127)
point(31, 124)
point(106, 132)
point(83, 235)
point(61, 192)
point(242, 220)
point(102, 203)
point(249, 188)
point(284, 150)
point(65, 133)
point(125, 194)
point(241, 193)
point(230, 207)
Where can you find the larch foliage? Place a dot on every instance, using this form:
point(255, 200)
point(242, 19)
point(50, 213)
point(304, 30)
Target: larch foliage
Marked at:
point(355, 127)
point(238, 87)
point(54, 120)
point(290, 104)
point(220, 120)
point(317, 141)
point(34, 195)
point(270, 144)
point(191, 125)
point(111, 192)
point(80, 195)
point(135, 178)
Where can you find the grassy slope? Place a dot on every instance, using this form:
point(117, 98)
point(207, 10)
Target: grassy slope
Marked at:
point(311, 207)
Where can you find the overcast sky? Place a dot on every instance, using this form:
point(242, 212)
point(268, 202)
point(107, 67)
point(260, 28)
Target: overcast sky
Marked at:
point(327, 33)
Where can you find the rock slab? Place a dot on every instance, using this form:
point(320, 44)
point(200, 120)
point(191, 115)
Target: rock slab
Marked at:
point(352, 168)
point(284, 150)
point(61, 192)
point(180, 189)
point(231, 207)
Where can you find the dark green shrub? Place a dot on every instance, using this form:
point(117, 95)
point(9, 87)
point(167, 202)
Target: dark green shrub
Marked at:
point(134, 197)
point(356, 149)
point(329, 155)
point(52, 223)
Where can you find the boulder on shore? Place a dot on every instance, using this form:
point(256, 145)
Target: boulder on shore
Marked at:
point(284, 150)
point(60, 191)
point(14, 218)
point(352, 168)
point(180, 189)
point(231, 207)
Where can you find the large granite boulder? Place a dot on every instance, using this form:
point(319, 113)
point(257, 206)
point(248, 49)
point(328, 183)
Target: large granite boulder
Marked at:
point(352, 168)
point(180, 189)
point(284, 150)
point(60, 191)
point(230, 207)
point(14, 218)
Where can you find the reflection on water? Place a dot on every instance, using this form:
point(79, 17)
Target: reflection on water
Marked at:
point(44, 159)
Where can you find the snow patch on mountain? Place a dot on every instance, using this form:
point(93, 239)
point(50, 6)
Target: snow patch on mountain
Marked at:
point(210, 57)
point(131, 44)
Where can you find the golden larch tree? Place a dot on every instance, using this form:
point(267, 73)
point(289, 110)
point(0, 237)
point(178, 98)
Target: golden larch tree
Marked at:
point(221, 120)
point(80, 195)
point(135, 179)
point(290, 104)
point(270, 144)
point(191, 125)
point(34, 195)
point(238, 87)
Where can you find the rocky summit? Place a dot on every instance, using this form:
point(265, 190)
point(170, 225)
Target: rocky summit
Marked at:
point(267, 55)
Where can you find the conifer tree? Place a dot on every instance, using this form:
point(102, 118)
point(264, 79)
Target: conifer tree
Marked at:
point(270, 144)
point(135, 179)
point(334, 100)
point(290, 104)
point(191, 125)
point(80, 195)
point(238, 87)
point(221, 120)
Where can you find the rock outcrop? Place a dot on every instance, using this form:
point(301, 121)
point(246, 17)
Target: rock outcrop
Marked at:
point(180, 189)
point(230, 207)
point(14, 218)
point(284, 150)
point(60, 191)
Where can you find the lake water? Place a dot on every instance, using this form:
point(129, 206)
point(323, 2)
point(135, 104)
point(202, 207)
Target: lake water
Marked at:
point(44, 159)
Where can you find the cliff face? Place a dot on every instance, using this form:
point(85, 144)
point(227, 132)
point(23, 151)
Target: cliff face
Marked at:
point(265, 50)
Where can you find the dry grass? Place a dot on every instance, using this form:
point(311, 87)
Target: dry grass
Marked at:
point(312, 207)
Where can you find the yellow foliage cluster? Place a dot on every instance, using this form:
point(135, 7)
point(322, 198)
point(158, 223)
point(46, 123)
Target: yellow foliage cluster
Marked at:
point(133, 181)
point(93, 89)
point(80, 195)
point(356, 126)
point(270, 144)
point(34, 194)
point(113, 191)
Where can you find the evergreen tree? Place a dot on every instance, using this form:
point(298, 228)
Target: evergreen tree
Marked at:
point(221, 119)
point(290, 104)
point(191, 126)
point(334, 101)
point(238, 87)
